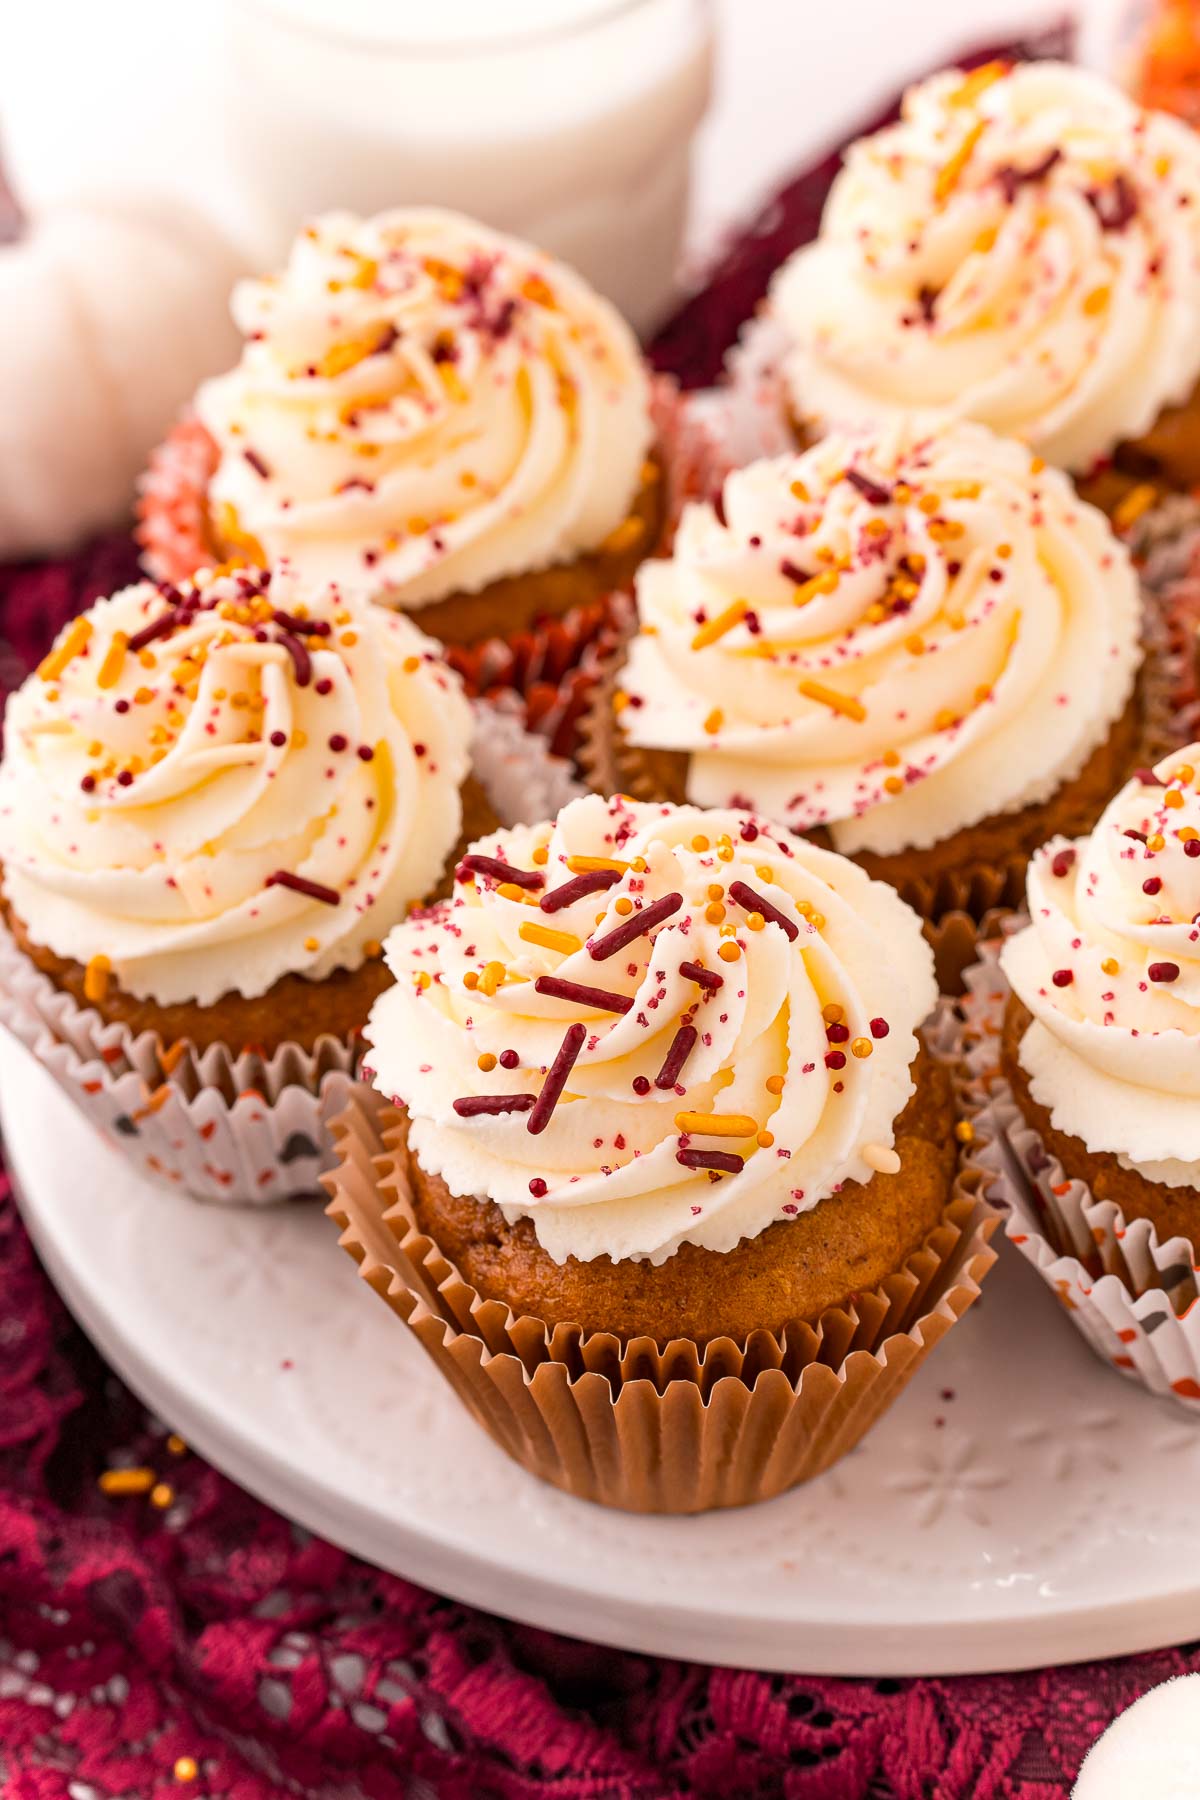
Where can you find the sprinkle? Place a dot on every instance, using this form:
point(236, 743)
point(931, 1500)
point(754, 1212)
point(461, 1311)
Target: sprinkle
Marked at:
point(951, 171)
point(1163, 971)
point(508, 890)
point(67, 648)
point(835, 1059)
point(537, 1187)
point(1173, 798)
point(114, 657)
point(477, 1105)
point(119, 1483)
point(1152, 884)
point(161, 1496)
point(176, 1445)
point(724, 621)
point(705, 978)
point(578, 888)
point(300, 884)
point(186, 1767)
point(729, 951)
point(775, 1084)
point(764, 1139)
point(556, 1078)
point(1062, 977)
point(680, 1048)
point(714, 721)
point(641, 1084)
point(1063, 862)
point(714, 912)
point(754, 902)
point(964, 1131)
point(879, 1028)
point(813, 586)
point(731, 1125)
point(1137, 501)
point(557, 988)
point(870, 490)
point(634, 927)
point(475, 864)
point(861, 1046)
point(833, 1014)
point(723, 1160)
point(258, 464)
point(588, 865)
point(301, 660)
point(96, 978)
point(838, 703)
point(879, 1157)
point(485, 1061)
point(1111, 966)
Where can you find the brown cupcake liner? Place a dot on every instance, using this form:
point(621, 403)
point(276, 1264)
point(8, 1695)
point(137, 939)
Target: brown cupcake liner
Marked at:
point(649, 1427)
point(550, 664)
point(964, 905)
point(1132, 1297)
point(218, 1124)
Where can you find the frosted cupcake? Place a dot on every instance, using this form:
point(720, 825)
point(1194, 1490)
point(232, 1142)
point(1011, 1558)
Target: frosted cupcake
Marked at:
point(915, 640)
point(1022, 248)
point(426, 411)
point(660, 1076)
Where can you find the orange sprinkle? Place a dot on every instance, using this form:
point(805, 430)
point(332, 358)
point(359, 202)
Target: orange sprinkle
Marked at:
point(755, 921)
point(548, 938)
point(764, 1139)
point(312, 944)
point(1096, 301)
point(170, 1058)
point(974, 84)
point(714, 721)
point(1111, 966)
point(373, 949)
point(715, 891)
point(775, 1084)
point(700, 842)
point(424, 979)
point(845, 704)
point(728, 952)
point(964, 1131)
point(715, 913)
point(623, 905)
point(1173, 798)
point(176, 1445)
point(540, 856)
point(730, 1125)
point(114, 657)
point(817, 584)
point(716, 628)
point(486, 1061)
point(951, 171)
point(67, 647)
point(119, 1483)
point(893, 784)
point(161, 1495)
point(493, 975)
point(508, 890)
point(861, 1046)
point(96, 978)
point(586, 865)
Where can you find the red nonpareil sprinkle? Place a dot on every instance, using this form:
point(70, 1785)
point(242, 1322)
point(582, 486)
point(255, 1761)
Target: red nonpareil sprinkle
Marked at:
point(835, 1059)
point(749, 831)
point(634, 927)
point(477, 1105)
point(258, 464)
point(324, 686)
point(837, 1033)
point(727, 1161)
point(476, 864)
point(1063, 863)
point(556, 1078)
point(509, 1059)
point(1063, 977)
point(594, 881)
point(157, 628)
point(874, 491)
point(365, 753)
point(88, 784)
point(708, 978)
point(1152, 884)
point(1163, 971)
point(1192, 847)
point(302, 627)
point(681, 1047)
point(301, 660)
point(879, 1028)
point(537, 1187)
point(337, 743)
point(279, 739)
point(300, 884)
point(557, 989)
point(753, 901)
point(641, 1084)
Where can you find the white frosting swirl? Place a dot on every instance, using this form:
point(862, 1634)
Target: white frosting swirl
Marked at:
point(1110, 969)
point(424, 406)
point(813, 1094)
point(1023, 250)
point(920, 626)
point(149, 793)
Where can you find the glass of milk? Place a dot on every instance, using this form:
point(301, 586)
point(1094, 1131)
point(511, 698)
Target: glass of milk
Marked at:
point(567, 122)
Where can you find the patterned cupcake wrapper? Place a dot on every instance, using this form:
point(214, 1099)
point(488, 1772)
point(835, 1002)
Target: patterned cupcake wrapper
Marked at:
point(1132, 1297)
point(666, 1429)
point(551, 665)
point(219, 1125)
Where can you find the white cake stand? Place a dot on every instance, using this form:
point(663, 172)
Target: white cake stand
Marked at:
point(1021, 1505)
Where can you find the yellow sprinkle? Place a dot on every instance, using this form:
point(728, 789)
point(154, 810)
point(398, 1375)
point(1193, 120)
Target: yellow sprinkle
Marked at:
point(725, 853)
point(67, 647)
point(114, 656)
point(716, 628)
point(1096, 301)
point(964, 1131)
point(1156, 841)
point(715, 913)
point(470, 979)
point(492, 977)
point(714, 721)
point(186, 1768)
point(755, 921)
point(119, 1483)
point(340, 357)
point(95, 979)
point(486, 1061)
point(550, 939)
point(838, 703)
point(728, 931)
point(161, 1495)
point(424, 979)
point(881, 1159)
point(775, 1084)
point(951, 171)
point(715, 891)
point(861, 1046)
point(700, 843)
point(764, 873)
point(819, 584)
point(730, 1125)
point(586, 865)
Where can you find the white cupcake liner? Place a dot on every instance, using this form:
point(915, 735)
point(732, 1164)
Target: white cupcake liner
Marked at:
point(1131, 1297)
point(245, 1129)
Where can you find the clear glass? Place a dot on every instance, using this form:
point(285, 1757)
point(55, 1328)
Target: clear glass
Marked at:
point(568, 122)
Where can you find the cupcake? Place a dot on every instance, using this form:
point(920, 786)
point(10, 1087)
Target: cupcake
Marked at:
point(438, 416)
point(659, 1075)
point(215, 800)
point(1085, 1027)
point(1022, 248)
point(914, 640)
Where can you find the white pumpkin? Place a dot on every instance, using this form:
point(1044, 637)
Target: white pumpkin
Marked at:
point(111, 311)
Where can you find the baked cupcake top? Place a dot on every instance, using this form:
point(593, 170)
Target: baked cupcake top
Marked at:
point(896, 634)
point(643, 1025)
point(1022, 247)
point(1109, 966)
point(424, 406)
point(206, 788)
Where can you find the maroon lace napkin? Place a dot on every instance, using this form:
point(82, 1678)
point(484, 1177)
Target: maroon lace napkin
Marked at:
point(191, 1641)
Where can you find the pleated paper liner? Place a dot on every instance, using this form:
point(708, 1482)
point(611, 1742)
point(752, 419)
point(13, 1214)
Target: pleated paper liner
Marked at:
point(1132, 1297)
point(961, 905)
point(223, 1126)
point(671, 1428)
point(541, 664)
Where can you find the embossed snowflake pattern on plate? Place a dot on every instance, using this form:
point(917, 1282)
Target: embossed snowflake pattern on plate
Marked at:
point(1020, 1505)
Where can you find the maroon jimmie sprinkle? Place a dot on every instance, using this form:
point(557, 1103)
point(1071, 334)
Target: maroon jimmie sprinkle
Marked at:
point(874, 491)
point(299, 884)
point(727, 1161)
point(754, 902)
point(301, 660)
point(499, 871)
point(556, 1078)
point(600, 998)
point(258, 464)
point(1163, 971)
point(708, 978)
point(594, 881)
point(157, 628)
point(303, 627)
point(682, 1045)
point(473, 1105)
point(634, 927)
